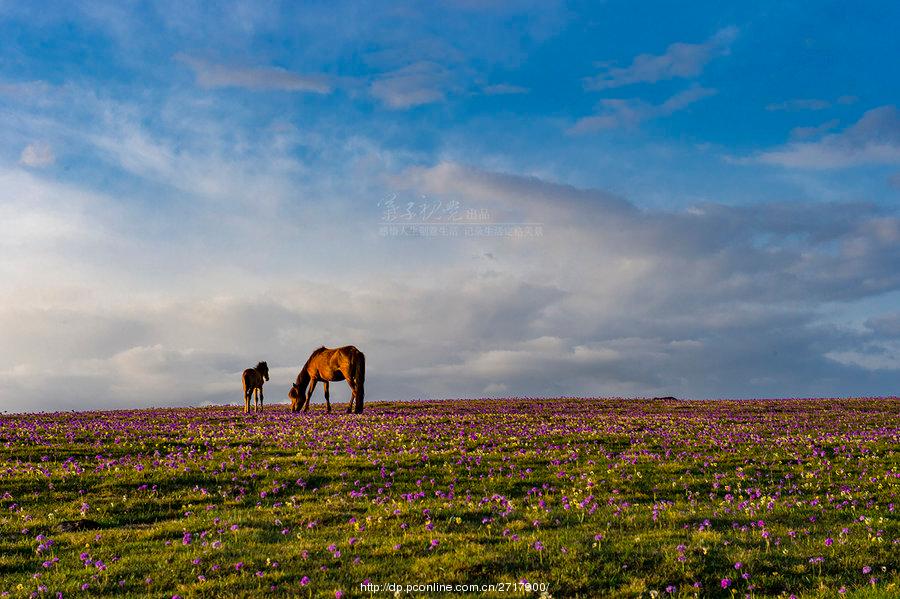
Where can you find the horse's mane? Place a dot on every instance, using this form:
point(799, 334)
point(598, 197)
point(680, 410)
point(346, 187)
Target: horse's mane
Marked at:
point(313, 355)
point(261, 364)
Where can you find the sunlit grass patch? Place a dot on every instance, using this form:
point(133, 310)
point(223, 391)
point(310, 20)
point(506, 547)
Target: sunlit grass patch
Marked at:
point(590, 497)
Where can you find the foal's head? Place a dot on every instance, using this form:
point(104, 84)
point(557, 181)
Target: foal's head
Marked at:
point(263, 369)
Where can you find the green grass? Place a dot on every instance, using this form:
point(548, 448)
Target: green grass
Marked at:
point(588, 497)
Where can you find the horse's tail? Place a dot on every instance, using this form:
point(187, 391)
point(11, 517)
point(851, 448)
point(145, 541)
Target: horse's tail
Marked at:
point(360, 380)
point(245, 383)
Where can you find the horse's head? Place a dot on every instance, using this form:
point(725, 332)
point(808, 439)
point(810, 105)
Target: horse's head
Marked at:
point(294, 395)
point(263, 369)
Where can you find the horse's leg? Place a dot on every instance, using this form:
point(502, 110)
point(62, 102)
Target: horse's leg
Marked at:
point(327, 397)
point(261, 397)
point(309, 392)
point(247, 393)
point(256, 400)
point(352, 405)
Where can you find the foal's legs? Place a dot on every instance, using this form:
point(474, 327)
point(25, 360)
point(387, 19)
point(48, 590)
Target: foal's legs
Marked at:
point(327, 400)
point(260, 398)
point(309, 392)
point(247, 393)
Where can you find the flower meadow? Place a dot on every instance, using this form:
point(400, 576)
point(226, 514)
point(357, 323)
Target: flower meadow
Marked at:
point(590, 497)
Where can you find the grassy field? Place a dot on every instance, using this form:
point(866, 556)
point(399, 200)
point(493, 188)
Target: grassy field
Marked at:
point(578, 497)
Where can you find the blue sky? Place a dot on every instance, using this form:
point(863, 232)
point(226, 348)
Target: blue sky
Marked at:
point(188, 188)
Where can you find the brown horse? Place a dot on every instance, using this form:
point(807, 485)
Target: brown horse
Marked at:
point(253, 379)
point(329, 365)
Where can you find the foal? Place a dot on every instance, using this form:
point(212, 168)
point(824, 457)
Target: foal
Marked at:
point(253, 379)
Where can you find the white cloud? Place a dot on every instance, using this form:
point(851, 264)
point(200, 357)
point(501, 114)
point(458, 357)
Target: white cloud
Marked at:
point(216, 167)
point(876, 356)
point(25, 90)
point(894, 180)
point(873, 139)
point(680, 61)
point(38, 154)
point(504, 89)
point(615, 113)
point(807, 132)
point(36, 216)
point(416, 84)
point(612, 300)
point(213, 75)
point(799, 104)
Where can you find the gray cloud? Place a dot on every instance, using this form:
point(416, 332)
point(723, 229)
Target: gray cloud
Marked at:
point(775, 251)
point(679, 61)
point(887, 325)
